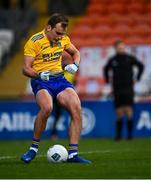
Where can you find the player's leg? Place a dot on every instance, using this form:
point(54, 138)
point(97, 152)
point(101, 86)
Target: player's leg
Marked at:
point(128, 109)
point(70, 100)
point(118, 101)
point(119, 123)
point(129, 114)
point(44, 100)
point(57, 113)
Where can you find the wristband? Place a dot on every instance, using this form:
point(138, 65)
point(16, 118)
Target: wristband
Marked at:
point(38, 75)
point(77, 64)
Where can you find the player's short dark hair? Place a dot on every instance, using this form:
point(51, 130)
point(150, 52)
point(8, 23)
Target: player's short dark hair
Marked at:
point(58, 18)
point(117, 42)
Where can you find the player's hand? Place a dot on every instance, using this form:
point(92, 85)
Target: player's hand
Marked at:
point(71, 68)
point(44, 75)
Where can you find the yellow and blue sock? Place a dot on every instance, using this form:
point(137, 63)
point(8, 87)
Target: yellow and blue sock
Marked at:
point(73, 150)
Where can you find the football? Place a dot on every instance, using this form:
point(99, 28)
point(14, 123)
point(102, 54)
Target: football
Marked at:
point(57, 154)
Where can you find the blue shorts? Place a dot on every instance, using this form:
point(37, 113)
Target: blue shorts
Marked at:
point(54, 86)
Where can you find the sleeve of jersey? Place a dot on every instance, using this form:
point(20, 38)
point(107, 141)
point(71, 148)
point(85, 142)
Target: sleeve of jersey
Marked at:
point(30, 49)
point(67, 42)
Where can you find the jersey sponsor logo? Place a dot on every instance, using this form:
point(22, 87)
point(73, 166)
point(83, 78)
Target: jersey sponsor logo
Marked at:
point(37, 37)
point(56, 56)
point(51, 56)
point(46, 57)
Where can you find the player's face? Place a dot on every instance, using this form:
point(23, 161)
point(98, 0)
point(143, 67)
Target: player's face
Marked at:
point(58, 32)
point(120, 49)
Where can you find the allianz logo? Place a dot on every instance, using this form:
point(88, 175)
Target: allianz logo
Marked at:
point(24, 121)
point(144, 121)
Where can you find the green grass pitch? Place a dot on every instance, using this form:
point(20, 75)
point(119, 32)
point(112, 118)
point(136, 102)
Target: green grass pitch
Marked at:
point(123, 159)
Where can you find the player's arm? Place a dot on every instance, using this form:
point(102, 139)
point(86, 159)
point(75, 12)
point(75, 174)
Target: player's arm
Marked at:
point(30, 52)
point(140, 67)
point(73, 51)
point(107, 68)
point(29, 72)
point(27, 67)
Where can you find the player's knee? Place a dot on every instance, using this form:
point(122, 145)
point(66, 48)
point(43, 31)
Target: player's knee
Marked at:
point(129, 112)
point(76, 106)
point(47, 109)
point(120, 113)
point(76, 111)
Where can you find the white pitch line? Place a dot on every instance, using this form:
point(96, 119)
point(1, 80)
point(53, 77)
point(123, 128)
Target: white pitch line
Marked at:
point(7, 157)
point(92, 152)
point(40, 155)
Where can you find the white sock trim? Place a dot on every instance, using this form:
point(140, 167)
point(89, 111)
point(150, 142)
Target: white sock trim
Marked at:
point(72, 155)
point(34, 149)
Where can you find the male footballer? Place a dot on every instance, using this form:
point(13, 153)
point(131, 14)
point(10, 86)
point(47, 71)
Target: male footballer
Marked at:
point(42, 63)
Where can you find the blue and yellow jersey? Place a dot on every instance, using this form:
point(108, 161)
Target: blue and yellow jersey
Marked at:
point(48, 56)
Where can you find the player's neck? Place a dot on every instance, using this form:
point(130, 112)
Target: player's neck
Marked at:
point(48, 35)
